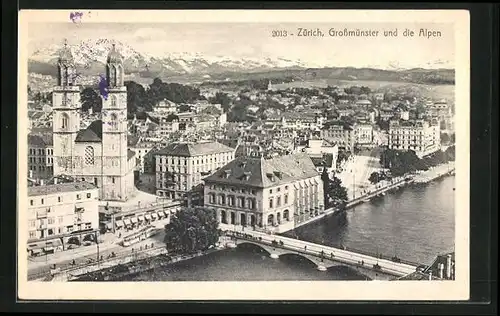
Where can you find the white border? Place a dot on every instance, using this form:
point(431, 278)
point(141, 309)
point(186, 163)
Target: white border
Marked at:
point(304, 290)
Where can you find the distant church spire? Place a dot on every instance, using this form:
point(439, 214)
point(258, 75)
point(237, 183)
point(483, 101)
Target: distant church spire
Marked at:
point(114, 68)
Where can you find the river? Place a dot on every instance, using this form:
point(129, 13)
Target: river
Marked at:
point(415, 223)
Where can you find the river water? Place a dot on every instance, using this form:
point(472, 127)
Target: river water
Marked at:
point(415, 223)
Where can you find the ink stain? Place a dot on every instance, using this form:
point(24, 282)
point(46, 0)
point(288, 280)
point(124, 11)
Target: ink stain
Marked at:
point(76, 17)
point(103, 87)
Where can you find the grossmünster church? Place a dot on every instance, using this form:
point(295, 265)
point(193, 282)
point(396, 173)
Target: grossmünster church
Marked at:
point(98, 153)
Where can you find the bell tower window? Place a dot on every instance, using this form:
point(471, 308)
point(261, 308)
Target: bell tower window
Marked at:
point(64, 121)
point(113, 120)
point(113, 101)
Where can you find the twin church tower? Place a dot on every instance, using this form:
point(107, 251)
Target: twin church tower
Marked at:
point(98, 153)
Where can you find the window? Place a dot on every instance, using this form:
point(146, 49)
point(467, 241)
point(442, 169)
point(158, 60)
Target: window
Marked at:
point(31, 202)
point(64, 121)
point(88, 225)
point(113, 120)
point(69, 229)
point(50, 232)
point(60, 218)
point(278, 201)
point(113, 100)
point(279, 189)
point(270, 203)
point(41, 201)
point(89, 195)
point(78, 197)
point(113, 180)
point(32, 234)
point(89, 155)
point(32, 223)
point(51, 220)
point(271, 191)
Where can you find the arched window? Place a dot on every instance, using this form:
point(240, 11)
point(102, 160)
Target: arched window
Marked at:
point(113, 119)
point(64, 121)
point(89, 155)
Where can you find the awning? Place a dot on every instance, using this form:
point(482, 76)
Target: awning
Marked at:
point(127, 221)
point(55, 243)
point(35, 247)
point(109, 226)
point(160, 214)
point(36, 251)
point(148, 217)
point(119, 223)
point(166, 213)
point(141, 218)
point(154, 215)
point(133, 219)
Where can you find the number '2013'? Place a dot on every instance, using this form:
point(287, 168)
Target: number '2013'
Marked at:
point(279, 33)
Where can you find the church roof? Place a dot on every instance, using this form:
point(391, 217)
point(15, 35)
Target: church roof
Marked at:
point(130, 154)
point(263, 173)
point(40, 140)
point(65, 54)
point(114, 56)
point(93, 133)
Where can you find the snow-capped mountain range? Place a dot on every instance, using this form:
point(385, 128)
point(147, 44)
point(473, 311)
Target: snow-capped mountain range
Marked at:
point(90, 53)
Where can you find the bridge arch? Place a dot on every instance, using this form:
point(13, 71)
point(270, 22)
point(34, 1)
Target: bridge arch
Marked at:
point(300, 256)
point(254, 246)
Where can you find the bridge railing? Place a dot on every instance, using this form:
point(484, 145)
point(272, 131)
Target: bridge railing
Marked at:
point(361, 252)
point(317, 253)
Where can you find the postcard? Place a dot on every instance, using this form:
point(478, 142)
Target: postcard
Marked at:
point(243, 155)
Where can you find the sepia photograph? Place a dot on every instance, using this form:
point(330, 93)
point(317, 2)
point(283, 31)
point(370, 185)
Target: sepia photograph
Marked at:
point(280, 152)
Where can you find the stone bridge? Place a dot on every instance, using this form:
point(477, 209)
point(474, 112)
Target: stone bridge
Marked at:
point(322, 256)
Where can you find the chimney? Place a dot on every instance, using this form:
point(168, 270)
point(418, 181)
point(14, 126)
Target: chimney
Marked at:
point(441, 270)
point(448, 267)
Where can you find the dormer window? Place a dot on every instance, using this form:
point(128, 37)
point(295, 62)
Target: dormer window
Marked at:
point(246, 176)
point(271, 177)
point(227, 174)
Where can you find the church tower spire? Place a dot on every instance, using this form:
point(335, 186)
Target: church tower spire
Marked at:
point(66, 117)
point(114, 68)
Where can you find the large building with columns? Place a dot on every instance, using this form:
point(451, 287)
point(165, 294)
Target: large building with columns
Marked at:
point(265, 193)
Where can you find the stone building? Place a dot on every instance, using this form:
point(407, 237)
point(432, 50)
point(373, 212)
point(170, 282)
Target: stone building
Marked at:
point(181, 166)
point(40, 156)
point(420, 136)
point(271, 193)
point(60, 212)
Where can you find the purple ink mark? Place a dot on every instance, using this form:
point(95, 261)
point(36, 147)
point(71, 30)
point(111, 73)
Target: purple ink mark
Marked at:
point(103, 86)
point(76, 16)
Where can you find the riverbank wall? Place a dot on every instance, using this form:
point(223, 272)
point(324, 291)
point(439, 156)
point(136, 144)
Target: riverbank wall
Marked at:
point(434, 173)
point(137, 262)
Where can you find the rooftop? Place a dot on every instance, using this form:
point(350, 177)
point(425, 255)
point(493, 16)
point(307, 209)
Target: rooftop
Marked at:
point(93, 133)
point(60, 188)
point(260, 172)
point(185, 149)
point(40, 140)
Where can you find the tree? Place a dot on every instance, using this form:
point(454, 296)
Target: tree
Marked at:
point(90, 100)
point(342, 156)
point(450, 153)
point(445, 138)
point(136, 97)
point(374, 177)
point(336, 193)
point(222, 99)
point(191, 230)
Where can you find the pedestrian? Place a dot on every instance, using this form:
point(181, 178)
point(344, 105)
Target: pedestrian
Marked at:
point(73, 262)
point(305, 248)
point(331, 254)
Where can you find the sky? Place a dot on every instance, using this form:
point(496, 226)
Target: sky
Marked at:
point(254, 40)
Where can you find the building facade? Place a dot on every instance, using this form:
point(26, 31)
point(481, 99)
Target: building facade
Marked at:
point(344, 135)
point(99, 153)
point(40, 157)
point(364, 134)
point(181, 166)
point(419, 136)
point(61, 211)
point(265, 193)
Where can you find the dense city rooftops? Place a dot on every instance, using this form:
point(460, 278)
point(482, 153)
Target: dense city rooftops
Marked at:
point(60, 188)
point(187, 149)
